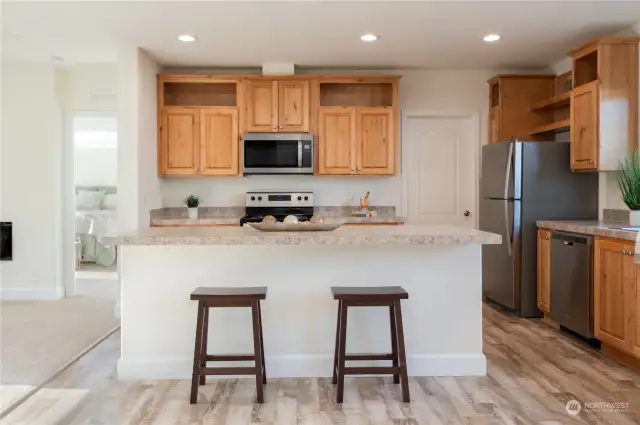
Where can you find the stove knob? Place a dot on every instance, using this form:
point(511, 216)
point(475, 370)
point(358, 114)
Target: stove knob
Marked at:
point(259, 198)
point(253, 198)
point(299, 198)
point(306, 198)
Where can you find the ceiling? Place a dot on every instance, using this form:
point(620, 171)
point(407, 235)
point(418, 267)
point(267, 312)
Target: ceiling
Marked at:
point(313, 34)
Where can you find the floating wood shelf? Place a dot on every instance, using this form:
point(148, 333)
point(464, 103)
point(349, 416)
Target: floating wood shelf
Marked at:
point(555, 102)
point(556, 127)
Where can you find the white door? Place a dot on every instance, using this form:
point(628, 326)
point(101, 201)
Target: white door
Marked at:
point(439, 163)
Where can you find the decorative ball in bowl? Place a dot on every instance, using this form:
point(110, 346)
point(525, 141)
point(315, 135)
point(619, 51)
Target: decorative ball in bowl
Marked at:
point(269, 219)
point(290, 219)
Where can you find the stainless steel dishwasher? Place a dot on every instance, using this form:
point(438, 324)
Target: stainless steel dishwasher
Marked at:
point(572, 282)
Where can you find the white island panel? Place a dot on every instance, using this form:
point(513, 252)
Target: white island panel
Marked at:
point(442, 317)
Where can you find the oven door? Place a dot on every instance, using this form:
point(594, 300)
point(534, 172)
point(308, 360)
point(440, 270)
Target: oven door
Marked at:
point(273, 154)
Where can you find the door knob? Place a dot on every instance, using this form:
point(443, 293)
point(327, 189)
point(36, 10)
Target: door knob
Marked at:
point(467, 213)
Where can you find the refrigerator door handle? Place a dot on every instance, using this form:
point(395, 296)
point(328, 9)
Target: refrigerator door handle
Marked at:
point(507, 173)
point(507, 227)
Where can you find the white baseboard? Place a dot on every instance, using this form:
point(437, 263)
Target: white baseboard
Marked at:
point(31, 294)
point(308, 366)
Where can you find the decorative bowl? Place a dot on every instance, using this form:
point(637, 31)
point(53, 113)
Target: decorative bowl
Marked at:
point(295, 227)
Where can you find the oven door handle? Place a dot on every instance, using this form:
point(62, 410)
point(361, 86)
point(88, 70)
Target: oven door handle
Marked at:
point(299, 153)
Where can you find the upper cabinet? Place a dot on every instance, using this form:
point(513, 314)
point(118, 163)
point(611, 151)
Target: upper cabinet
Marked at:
point(357, 125)
point(510, 99)
point(604, 103)
point(277, 105)
point(198, 125)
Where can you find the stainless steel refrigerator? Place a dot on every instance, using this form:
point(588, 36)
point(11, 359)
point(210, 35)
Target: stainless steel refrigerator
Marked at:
point(521, 183)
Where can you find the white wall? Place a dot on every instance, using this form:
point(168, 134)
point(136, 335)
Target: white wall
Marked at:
point(89, 87)
point(31, 181)
point(418, 90)
point(138, 184)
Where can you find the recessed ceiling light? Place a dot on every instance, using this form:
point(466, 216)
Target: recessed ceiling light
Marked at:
point(491, 37)
point(369, 37)
point(186, 38)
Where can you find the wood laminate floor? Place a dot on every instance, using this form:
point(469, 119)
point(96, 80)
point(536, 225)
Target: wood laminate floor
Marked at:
point(533, 371)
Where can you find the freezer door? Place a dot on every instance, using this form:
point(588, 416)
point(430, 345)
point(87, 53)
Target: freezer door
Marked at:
point(501, 170)
point(499, 262)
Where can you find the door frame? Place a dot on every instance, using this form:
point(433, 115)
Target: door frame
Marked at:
point(68, 197)
point(476, 143)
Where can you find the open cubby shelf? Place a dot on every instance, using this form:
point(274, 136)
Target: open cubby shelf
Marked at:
point(356, 94)
point(555, 102)
point(585, 69)
point(200, 94)
point(555, 127)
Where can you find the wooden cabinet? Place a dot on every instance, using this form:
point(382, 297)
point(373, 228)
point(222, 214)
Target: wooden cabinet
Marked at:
point(375, 153)
point(510, 100)
point(544, 270)
point(356, 141)
point(198, 126)
point(277, 106)
point(614, 293)
point(179, 137)
point(584, 127)
point(219, 142)
point(262, 106)
point(604, 103)
point(337, 140)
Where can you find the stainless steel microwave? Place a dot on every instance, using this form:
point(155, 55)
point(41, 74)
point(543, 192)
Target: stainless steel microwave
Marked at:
point(277, 153)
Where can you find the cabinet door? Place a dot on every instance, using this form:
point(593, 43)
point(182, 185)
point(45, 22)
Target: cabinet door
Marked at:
point(375, 141)
point(544, 270)
point(635, 316)
point(337, 141)
point(219, 141)
point(262, 106)
point(584, 127)
point(613, 292)
point(293, 106)
point(495, 130)
point(180, 141)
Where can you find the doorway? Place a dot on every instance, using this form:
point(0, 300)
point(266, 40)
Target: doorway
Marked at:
point(440, 167)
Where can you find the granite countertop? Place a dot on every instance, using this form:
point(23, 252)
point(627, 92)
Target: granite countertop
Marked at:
point(352, 235)
point(595, 228)
point(227, 221)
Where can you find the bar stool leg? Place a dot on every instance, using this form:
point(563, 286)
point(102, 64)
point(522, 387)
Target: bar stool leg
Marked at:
point(257, 349)
point(342, 351)
point(402, 359)
point(197, 353)
point(334, 380)
point(205, 337)
point(264, 368)
point(394, 343)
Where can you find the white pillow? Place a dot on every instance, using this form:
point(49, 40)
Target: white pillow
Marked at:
point(110, 202)
point(89, 199)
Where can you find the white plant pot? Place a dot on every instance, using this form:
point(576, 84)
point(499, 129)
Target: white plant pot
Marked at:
point(634, 218)
point(192, 212)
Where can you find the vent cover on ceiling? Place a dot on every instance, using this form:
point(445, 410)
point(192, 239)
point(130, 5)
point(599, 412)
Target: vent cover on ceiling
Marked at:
point(278, 68)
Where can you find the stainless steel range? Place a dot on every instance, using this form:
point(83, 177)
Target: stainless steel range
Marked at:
point(278, 204)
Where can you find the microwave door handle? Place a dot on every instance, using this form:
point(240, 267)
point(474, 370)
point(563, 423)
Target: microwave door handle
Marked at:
point(299, 154)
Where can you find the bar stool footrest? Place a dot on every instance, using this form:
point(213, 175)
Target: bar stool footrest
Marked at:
point(374, 370)
point(230, 357)
point(369, 356)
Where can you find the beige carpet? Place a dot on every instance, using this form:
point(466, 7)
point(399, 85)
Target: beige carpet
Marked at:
point(38, 337)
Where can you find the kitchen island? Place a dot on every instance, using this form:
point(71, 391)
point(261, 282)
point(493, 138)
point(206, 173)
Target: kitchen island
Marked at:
point(439, 266)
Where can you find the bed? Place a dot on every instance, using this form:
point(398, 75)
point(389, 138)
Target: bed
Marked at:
point(95, 217)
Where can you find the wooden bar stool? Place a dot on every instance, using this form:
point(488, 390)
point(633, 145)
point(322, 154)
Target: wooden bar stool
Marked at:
point(370, 296)
point(228, 297)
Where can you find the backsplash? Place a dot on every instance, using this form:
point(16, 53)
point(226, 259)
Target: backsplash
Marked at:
point(616, 216)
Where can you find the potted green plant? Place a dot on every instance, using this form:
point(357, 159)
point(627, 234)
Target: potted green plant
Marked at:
point(192, 202)
point(629, 183)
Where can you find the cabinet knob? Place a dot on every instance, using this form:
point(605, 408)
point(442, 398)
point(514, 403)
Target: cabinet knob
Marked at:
point(590, 161)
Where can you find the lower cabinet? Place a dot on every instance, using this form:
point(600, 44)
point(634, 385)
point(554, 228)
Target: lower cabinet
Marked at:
point(544, 270)
point(616, 302)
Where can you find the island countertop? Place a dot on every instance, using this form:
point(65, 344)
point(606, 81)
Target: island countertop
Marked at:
point(407, 234)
